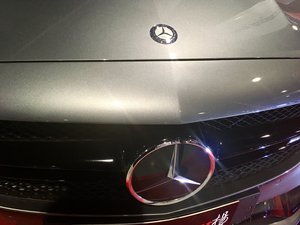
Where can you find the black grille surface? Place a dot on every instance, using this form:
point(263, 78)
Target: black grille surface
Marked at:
point(30, 131)
point(224, 175)
point(45, 190)
point(255, 119)
point(113, 188)
point(51, 190)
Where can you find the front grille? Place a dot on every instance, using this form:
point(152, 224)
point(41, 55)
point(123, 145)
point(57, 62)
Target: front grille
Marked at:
point(235, 173)
point(113, 188)
point(51, 190)
point(50, 164)
point(44, 190)
point(30, 131)
point(255, 119)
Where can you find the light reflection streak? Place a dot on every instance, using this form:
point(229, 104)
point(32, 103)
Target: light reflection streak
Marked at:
point(102, 160)
point(294, 139)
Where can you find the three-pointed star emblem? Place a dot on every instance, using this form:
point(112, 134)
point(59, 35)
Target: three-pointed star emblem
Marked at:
point(174, 171)
point(163, 34)
point(170, 172)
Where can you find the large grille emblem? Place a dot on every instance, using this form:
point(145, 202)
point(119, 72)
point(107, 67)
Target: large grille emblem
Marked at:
point(170, 173)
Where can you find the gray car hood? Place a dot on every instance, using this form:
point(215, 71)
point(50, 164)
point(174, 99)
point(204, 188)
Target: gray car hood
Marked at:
point(119, 30)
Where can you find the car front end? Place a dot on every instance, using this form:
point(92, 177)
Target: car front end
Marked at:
point(149, 112)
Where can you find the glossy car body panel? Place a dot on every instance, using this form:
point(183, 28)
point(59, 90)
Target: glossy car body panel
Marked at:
point(113, 30)
point(145, 92)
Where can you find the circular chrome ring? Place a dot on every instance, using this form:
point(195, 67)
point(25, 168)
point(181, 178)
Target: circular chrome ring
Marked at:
point(177, 180)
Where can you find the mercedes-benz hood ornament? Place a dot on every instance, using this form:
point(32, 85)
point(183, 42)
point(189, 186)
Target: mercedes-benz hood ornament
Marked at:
point(163, 34)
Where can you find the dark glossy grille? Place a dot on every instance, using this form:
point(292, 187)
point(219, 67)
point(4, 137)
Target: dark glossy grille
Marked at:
point(223, 176)
point(113, 188)
point(46, 190)
point(104, 189)
point(29, 131)
point(255, 119)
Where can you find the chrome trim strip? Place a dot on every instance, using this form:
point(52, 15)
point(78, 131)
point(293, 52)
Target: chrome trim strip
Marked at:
point(149, 60)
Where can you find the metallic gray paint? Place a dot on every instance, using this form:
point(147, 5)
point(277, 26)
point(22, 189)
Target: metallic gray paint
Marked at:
point(145, 92)
point(119, 29)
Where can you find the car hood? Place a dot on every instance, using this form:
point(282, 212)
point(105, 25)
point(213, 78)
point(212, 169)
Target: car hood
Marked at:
point(119, 30)
point(175, 92)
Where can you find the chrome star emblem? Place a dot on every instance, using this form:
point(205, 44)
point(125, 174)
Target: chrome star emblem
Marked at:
point(170, 172)
point(163, 34)
point(174, 169)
